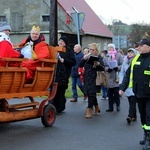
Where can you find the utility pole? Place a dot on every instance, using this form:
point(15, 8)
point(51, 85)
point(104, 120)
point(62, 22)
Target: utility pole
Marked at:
point(53, 23)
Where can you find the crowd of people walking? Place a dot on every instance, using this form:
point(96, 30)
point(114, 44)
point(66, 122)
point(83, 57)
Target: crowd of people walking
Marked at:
point(126, 74)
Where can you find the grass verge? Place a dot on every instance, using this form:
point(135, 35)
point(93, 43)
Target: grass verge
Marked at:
point(68, 93)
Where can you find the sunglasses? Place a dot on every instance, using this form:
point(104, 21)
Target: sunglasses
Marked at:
point(92, 49)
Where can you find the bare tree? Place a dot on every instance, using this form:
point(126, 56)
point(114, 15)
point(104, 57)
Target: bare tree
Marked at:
point(138, 32)
point(118, 27)
point(134, 32)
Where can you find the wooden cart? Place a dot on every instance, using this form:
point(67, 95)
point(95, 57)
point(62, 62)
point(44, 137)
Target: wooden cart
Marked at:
point(12, 85)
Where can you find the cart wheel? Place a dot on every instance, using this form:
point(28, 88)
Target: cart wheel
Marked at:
point(49, 115)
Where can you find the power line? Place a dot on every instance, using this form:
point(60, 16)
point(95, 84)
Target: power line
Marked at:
point(126, 3)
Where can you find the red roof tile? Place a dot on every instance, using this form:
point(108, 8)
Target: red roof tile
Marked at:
point(92, 23)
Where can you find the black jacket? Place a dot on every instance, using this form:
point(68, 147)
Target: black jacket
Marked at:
point(64, 69)
point(141, 81)
point(90, 75)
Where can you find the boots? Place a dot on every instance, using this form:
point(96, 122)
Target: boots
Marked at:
point(142, 142)
point(97, 110)
point(88, 113)
point(147, 142)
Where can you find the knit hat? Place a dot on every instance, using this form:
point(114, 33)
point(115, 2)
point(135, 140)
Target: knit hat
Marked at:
point(4, 26)
point(133, 50)
point(111, 45)
point(65, 39)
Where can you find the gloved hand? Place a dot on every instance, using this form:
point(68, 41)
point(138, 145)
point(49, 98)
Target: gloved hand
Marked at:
point(116, 69)
point(109, 70)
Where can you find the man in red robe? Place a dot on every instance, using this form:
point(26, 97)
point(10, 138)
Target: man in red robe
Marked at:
point(39, 50)
point(6, 47)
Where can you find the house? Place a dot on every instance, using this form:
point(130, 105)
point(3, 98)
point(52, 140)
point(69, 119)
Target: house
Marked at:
point(22, 14)
point(93, 29)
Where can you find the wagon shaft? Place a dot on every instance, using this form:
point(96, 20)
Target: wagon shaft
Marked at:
point(18, 115)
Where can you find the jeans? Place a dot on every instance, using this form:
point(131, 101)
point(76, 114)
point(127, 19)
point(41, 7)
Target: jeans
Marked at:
point(104, 91)
point(76, 81)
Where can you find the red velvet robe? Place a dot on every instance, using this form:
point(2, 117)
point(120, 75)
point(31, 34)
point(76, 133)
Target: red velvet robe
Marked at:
point(6, 50)
point(42, 51)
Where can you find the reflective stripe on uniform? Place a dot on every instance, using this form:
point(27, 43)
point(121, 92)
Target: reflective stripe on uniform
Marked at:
point(134, 61)
point(146, 127)
point(137, 63)
point(146, 72)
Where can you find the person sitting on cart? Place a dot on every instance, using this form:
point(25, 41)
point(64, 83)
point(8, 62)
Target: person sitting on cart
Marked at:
point(39, 49)
point(6, 46)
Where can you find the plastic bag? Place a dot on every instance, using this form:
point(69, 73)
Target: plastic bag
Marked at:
point(27, 51)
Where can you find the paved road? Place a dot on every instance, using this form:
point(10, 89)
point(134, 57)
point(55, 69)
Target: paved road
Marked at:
point(71, 131)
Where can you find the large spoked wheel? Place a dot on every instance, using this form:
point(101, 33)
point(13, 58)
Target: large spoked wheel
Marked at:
point(49, 115)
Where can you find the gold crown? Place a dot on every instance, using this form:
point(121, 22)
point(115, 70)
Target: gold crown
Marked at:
point(36, 28)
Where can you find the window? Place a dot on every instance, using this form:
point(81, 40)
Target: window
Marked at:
point(45, 18)
point(2, 18)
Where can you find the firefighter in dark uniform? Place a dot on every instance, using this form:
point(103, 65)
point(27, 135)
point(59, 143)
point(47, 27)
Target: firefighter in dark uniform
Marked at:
point(138, 77)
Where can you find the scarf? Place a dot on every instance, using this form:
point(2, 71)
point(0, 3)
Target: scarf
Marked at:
point(129, 59)
point(112, 54)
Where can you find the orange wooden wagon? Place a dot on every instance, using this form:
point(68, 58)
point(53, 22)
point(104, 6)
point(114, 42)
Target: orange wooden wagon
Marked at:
point(12, 85)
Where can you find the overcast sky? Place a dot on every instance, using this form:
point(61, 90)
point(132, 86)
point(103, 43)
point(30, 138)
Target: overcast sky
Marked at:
point(128, 11)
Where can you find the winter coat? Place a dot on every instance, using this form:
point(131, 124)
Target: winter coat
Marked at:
point(112, 76)
point(78, 57)
point(90, 75)
point(64, 69)
point(124, 67)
